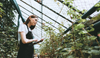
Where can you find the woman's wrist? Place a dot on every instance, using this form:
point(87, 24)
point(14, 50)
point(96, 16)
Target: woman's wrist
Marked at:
point(35, 40)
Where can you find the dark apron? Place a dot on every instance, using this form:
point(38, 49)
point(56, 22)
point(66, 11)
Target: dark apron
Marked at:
point(26, 50)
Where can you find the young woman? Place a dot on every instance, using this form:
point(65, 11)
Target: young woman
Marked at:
point(25, 31)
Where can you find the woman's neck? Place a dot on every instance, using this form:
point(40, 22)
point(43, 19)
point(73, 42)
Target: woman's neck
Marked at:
point(29, 24)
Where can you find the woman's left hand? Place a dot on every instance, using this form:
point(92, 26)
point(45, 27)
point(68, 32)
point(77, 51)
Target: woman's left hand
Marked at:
point(41, 40)
point(38, 0)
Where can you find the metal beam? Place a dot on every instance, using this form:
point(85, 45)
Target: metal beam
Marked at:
point(28, 15)
point(44, 14)
point(70, 6)
point(54, 11)
point(89, 12)
point(37, 16)
point(17, 8)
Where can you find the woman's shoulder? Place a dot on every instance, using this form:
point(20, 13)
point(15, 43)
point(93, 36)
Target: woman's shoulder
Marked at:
point(23, 25)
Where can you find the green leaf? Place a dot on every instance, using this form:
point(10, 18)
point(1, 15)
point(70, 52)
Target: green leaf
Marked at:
point(82, 20)
point(64, 53)
point(79, 26)
point(65, 49)
point(70, 56)
point(59, 48)
point(55, 0)
point(97, 5)
point(93, 37)
point(83, 32)
point(92, 29)
point(96, 47)
point(98, 9)
point(96, 52)
point(1, 4)
point(79, 44)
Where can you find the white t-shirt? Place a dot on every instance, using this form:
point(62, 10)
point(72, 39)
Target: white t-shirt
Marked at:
point(23, 28)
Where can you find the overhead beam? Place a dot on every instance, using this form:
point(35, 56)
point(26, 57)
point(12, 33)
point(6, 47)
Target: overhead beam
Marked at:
point(44, 14)
point(85, 15)
point(17, 8)
point(54, 11)
point(70, 6)
point(37, 16)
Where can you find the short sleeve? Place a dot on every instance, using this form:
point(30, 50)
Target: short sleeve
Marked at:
point(21, 28)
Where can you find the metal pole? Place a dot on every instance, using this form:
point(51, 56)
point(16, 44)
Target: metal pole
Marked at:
point(17, 8)
point(41, 16)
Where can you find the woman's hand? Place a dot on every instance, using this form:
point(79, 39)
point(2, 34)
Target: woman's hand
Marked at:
point(38, 0)
point(41, 40)
point(35, 40)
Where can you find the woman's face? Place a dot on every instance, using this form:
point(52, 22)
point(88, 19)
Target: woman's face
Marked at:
point(33, 21)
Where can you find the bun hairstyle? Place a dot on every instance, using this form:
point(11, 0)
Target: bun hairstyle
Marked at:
point(28, 20)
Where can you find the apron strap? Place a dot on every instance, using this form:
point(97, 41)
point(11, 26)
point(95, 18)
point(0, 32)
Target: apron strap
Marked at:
point(29, 31)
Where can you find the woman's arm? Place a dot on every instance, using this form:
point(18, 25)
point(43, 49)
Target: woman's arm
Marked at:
point(24, 39)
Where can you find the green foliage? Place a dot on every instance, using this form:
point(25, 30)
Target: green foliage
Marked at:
point(1, 10)
point(96, 17)
point(51, 43)
point(98, 5)
point(8, 30)
point(79, 26)
point(76, 44)
point(68, 1)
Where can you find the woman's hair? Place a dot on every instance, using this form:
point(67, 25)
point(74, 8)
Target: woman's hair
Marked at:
point(28, 20)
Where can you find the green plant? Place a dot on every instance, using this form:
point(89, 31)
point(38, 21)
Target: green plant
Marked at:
point(98, 5)
point(51, 43)
point(77, 43)
point(8, 30)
